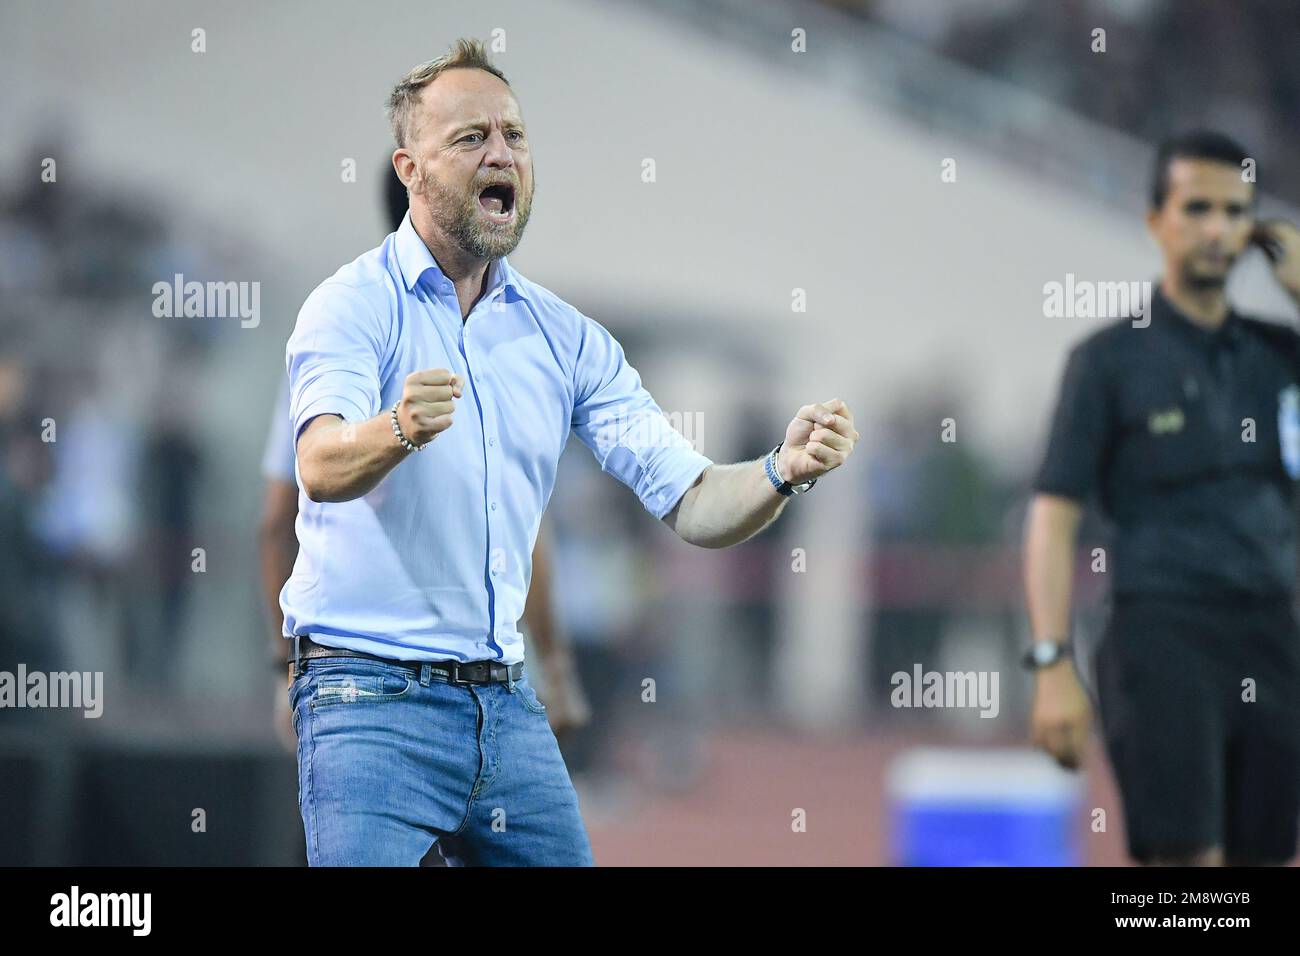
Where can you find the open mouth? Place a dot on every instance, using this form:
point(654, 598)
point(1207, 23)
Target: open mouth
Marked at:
point(498, 201)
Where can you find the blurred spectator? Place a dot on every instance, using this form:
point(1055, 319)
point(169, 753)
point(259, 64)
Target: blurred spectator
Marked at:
point(26, 569)
point(1156, 67)
point(101, 467)
point(936, 507)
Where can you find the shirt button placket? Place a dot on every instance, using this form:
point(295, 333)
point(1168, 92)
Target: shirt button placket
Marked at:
point(491, 456)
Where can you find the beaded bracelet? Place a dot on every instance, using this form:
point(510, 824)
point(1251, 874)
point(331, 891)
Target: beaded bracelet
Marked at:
point(397, 432)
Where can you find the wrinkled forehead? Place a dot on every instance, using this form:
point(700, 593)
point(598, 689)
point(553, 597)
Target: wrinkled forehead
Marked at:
point(464, 98)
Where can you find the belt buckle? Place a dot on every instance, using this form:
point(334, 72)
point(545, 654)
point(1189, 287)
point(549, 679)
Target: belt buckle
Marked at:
point(455, 678)
point(455, 674)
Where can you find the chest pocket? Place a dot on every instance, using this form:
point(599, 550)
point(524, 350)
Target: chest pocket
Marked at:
point(1173, 428)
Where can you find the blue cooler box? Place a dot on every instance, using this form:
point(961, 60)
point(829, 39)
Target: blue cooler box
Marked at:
point(982, 807)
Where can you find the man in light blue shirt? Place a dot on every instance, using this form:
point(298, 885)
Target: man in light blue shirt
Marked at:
point(432, 391)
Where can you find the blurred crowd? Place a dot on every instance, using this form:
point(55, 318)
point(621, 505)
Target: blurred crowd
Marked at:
point(99, 466)
point(1156, 66)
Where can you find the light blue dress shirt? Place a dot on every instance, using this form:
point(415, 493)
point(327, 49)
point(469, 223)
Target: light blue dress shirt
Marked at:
point(435, 562)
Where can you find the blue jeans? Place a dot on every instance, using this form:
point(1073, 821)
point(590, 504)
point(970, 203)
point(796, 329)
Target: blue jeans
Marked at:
point(391, 761)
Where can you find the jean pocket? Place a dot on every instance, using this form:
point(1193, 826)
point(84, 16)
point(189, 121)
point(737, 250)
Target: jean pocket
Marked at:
point(293, 691)
point(357, 686)
point(528, 697)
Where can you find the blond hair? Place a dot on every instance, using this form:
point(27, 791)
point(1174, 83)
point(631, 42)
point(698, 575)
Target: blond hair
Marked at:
point(405, 98)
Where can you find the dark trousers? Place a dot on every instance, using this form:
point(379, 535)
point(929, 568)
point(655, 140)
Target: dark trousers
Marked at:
point(1200, 708)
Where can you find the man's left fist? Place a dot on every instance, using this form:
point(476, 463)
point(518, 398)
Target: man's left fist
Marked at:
point(818, 439)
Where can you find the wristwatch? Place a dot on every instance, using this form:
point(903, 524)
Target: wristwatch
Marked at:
point(1046, 653)
point(782, 486)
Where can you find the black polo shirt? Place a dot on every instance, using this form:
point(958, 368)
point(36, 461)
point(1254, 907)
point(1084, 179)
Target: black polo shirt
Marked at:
point(1176, 431)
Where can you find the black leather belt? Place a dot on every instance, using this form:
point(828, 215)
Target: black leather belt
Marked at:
point(454, 672)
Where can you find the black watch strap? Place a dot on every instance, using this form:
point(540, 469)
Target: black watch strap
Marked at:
point(1046, 653)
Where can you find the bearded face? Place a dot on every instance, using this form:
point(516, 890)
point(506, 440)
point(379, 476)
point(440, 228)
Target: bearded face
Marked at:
point(486, 217)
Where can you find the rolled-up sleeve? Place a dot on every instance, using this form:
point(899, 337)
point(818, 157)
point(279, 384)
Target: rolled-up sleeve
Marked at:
point(625, 428)
point(334, 357)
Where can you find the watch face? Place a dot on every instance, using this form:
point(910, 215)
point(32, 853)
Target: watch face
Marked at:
point(1045, 652)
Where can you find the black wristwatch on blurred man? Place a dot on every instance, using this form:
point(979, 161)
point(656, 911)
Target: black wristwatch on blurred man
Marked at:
point(1046, 653)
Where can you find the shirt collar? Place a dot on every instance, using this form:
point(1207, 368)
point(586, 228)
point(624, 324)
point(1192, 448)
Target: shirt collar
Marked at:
point(1169, 315)
point(415, 260)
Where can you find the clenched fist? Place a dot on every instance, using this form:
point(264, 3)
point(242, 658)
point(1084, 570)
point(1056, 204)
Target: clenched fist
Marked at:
point(1061, 714)
point(426, 406)
point(820, 437)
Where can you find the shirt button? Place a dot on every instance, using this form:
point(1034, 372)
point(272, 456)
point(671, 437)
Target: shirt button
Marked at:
point(494, 506)
point(492, 441)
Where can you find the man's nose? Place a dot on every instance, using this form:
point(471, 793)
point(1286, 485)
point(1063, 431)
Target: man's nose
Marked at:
point(1216, 225)
point(498, 152)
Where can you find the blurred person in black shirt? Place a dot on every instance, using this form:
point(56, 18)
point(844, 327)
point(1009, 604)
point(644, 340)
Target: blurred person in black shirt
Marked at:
point(1186, 430)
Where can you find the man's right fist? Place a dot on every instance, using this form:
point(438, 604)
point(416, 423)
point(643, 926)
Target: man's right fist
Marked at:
point(426, 405)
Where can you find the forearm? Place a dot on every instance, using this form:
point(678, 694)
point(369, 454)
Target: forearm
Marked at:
point(1049, 568)
point(339, 461)
point(729, 504)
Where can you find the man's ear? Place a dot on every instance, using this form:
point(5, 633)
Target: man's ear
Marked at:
point(404, 165)
point(1153, 221)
